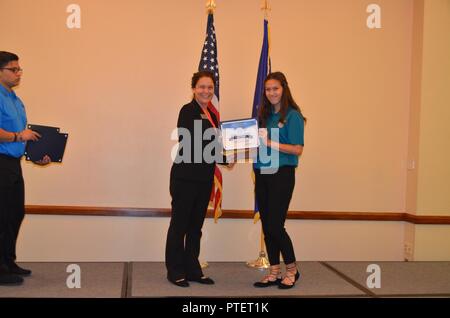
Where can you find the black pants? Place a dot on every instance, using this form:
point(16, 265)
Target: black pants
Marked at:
point(12, 207)
point(189, 205)
point(273, 195)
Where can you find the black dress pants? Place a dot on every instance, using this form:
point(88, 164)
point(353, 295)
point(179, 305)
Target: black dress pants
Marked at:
point(189, 206)
point(273, 195)
point(12, 207)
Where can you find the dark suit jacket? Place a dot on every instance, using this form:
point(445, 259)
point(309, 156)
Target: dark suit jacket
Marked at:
point(196, 169)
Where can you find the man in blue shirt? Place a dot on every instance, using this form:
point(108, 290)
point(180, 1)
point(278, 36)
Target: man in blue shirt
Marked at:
point(13, 138)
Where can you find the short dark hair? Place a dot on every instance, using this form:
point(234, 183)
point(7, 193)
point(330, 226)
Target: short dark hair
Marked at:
point(6, 57)
point(199, 75)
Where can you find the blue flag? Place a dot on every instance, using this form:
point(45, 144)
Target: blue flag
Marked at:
point(264, 68)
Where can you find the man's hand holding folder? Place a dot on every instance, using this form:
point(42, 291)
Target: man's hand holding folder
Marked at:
point(48, 147)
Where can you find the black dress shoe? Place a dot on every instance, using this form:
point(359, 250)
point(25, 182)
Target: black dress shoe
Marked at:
point(7, 279)
point(180, 282)
point(17, 270)
point(202, 280)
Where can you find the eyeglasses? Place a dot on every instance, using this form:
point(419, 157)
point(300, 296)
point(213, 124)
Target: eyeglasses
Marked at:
point(15, 70)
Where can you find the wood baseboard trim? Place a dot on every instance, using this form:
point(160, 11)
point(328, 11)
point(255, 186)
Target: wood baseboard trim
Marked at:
point(239, 214)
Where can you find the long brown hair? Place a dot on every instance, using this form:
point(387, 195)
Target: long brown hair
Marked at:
point(265, 109)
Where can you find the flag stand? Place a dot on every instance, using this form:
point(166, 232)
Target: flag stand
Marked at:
point(204, 264)
point(261, 263)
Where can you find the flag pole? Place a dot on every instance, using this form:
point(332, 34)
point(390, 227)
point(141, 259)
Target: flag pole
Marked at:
point(210, 7)
point(266, 8)
point(262, 263)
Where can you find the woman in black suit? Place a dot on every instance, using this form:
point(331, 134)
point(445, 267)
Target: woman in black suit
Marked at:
point(191, 180)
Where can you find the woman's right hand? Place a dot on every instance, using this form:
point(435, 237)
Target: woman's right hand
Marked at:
point(231, 165)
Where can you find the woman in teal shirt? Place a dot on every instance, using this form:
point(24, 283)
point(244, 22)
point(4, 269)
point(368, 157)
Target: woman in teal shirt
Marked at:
point(282, 130)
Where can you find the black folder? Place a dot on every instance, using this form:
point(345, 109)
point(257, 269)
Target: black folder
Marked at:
point(52, 143)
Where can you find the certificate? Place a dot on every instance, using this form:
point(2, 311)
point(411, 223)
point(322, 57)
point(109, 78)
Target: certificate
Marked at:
point(239, 134)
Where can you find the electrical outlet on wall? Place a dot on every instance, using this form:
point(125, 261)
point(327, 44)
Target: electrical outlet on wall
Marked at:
point(408, 251)
point(411, 165)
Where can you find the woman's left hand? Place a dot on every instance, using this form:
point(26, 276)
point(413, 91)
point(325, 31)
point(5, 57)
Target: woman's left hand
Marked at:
point(263, 135)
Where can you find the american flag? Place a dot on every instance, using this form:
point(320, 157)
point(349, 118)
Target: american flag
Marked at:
point(208, 62)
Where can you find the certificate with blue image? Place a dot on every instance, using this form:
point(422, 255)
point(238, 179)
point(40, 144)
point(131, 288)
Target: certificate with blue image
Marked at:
point(239, 134)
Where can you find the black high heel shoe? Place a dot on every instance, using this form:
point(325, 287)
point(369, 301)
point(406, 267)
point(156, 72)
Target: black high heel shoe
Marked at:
point(266, 281)
point(285, 286)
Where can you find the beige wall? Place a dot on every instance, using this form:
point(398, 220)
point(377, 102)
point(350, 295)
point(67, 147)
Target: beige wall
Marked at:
point(433, 242)
point(415, 105)
point(117, 84)
point(72, 238)
point(414, 125)
point(116, 87)
point(434, 169)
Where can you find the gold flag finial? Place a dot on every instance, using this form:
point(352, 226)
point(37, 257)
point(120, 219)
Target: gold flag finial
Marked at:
point(266, 8)
point(210, 6)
